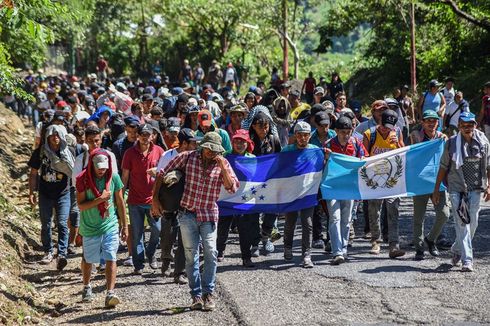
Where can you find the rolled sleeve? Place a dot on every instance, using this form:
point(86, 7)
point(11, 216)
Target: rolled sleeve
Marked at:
point(177, 162)
point(233, 176)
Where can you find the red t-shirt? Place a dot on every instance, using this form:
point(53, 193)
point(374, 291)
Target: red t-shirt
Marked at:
point(310, 84)
point(101, 64)
point(353, 147)
point(140, 182)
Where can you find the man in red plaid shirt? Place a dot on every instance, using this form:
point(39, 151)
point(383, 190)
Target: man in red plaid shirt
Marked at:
point(206, 170)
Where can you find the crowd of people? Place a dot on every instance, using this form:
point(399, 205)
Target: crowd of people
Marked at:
point(109, 155)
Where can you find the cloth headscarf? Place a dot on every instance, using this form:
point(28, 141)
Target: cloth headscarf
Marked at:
point(65, 162)
point(86, 179)
point(247, 122)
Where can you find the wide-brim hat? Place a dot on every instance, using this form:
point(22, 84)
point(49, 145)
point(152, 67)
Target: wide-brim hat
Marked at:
point(212, 141)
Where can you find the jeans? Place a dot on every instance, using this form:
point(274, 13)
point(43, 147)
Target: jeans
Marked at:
point(224, 224)
point(170, 232)
point(74, 210)
point(419, 209)
point(319, 215)
point(192, 231)
point(392, 214)
point(248, 232)
point(465, 232)
point(340, 212)
point(62, 208)
point(137, 215)
point(306, 226)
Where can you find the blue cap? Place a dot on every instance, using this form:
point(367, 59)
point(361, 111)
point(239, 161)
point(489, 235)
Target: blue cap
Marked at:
point(132, 121)
point(467, 117)
point(177, 91)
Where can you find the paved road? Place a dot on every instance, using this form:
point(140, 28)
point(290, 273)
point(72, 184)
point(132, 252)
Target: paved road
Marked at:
point(367, 289)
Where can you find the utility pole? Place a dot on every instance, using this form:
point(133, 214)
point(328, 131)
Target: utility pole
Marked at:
point(285, 60)
point(413, 52)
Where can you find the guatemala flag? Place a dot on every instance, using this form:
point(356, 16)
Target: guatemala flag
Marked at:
point(274, 183)
point(403, 172)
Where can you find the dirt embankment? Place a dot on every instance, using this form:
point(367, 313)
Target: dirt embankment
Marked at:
point(20, 302)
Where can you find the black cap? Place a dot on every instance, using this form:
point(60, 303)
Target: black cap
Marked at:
point(132, 121)
point(322, 118)
point(284, 85)
point(433, 83)
point(145, 128)
point(389, 118)
point(147, 97)
point(317, 108)
point(295, 93)
point(343, 123)
point(186, 134)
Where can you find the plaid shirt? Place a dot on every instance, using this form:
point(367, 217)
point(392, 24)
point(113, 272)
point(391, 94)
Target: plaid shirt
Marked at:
point(202, 187)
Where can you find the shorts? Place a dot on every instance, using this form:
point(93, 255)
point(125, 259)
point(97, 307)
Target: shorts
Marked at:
point(102, 246)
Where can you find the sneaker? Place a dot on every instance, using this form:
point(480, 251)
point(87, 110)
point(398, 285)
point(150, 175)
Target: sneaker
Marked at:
point(111, 300)
point(328, 246)
point(209, 304)
point(47, 259)
point(419, 255)
point(375, 248)
point(307, 263)
point(181, 279)
point(268, 247)
point(467, 267)
point(318, 244)
point(166, 268)
point(247, 262)
point(197, 303)
point(153, 262)
point(432, 247)
point(456, 260)
point(71, 250)
point(275, 235)
point(255, 251)
point(128, 261)
point(138, 271)
point(288, 254)
point(87, 295)
point(395, 251)
point(367, 235)
point(337, 260)
point(61, 264)
point(350, 243)
point(234, 230)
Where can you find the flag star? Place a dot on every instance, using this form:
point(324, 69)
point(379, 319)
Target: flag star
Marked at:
point(261, 197)
point(252, 189)
point(244, 197)
point(254, 192)
point(264, 186)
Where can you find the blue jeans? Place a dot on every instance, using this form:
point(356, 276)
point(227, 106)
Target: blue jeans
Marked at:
point(74, 210)
point(465, 232)
point(340, 212)
point(137, 214)
point(191, 231)
point(62, 209)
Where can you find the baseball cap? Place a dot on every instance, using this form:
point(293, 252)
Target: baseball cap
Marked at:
point(145, 129)
point(317, 108)
point(467, 117)
point(187, 134)
point(173, 124)
point(343, 123)
point(295, 93)
point(389, 119)
point(319, 90)
point(487, 84)
point(430, 114)
point(322, 118)
point(164, 91)
point(284, 85)
point(132, 121)
point(101, 161)
point(302, 126)
point(205, 118)
point(379, 104)
point(433, 83)
point(146, 97)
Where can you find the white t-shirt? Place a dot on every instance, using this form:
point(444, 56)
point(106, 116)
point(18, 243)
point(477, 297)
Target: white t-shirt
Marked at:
point(230, 75)
point(448, 95)
point(80, 164)
point(451, 108)
point(166, 158)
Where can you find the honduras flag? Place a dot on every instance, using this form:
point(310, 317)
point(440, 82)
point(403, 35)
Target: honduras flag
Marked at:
point(274, 183)
point(403, 172)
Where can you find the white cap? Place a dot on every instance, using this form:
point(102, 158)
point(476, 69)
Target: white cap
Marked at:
point(302, 126)
point(101, 161)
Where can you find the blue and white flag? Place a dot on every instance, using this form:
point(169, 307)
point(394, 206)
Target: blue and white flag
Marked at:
point(402, 172)
point(275, 183)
